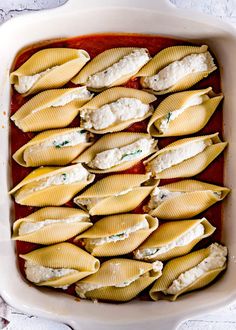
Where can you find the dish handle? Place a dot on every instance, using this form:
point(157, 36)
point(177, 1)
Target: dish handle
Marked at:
point(160, 5)
point(170, 324)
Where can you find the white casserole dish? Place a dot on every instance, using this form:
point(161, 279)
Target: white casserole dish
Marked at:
point(140, 16)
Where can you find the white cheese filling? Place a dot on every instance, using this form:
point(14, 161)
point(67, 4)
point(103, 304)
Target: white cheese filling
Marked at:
point(83, 288)
point(216, 259)
point(77, 174)
point(163, 123)
point(80, 93)
point(91, 202)
point(157, 266)
point(71, 176)
point(127, 65)
point(217, 194)
point(61, 141)
point(131, 280)
point(69, 140)
point(26, 82)
point(90, 243)
point(176, 156)
point(30, 227)
point(109, 158)
point(183, 240)
point(36, 273)
point(113, 113)
point(160, 195)
point(176, 71)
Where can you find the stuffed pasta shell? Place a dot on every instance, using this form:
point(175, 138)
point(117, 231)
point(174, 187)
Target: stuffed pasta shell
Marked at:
point(54, 147)
point(119, 280)
point(117, 152)
point(115, 109)
point(176, 68)
point(112, 67)
point(173, 239)
point(48, 186)
point(118, 193)
point(47, 69)
point(118, 234)
point(184, 199)
point(51, 225)
point(186, 157)
point(190, 272)
point(183, 113)
point(58, 265)
point(53, 108)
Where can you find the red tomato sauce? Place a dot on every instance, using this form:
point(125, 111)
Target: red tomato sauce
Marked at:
point(95, 44)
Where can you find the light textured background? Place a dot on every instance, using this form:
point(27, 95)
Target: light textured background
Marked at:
point(224, 319)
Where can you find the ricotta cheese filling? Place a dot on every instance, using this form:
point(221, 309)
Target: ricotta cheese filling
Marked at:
point(130, 280)
point(216, 259)
point(61, 141)
point(83, 288)
point(77, 174)
point(109, 158)
point(160, 195)
point(127, 65)
point(163, 123)
point(91, 202)
point(177, 70)
point(112, 113)
point(79, 94)
point(183, 240)
point(218, 194)
point(26, 82)
point(176, 156)
point(91, 242)
point(36, 273)
point(30, 227)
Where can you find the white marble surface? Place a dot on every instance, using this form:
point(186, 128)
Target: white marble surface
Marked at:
point(224, 319)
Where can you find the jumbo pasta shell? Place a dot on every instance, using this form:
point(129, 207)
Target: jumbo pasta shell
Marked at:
point(49, 148)
point(135, 276)
point(56, 230)
point(63, 256)
point(166, 57)
point(105, 60)
point(118, 193)
point(111, 96)
point(62, 65)
point(41, 113)
point(174, 268)
point(190, 121)
point(191, 166)
point(170, 232)
point(135, 228)
point(196, 197)
point(30, 192)
point(111, 141)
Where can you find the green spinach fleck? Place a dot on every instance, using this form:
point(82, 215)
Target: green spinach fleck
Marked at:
point(62, 144)
point(117, 235)
point(168, 117)
point(131, 153)
point(64, 176)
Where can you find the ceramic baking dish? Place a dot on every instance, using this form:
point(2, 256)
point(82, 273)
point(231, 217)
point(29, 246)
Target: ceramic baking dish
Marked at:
point(79, 17)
